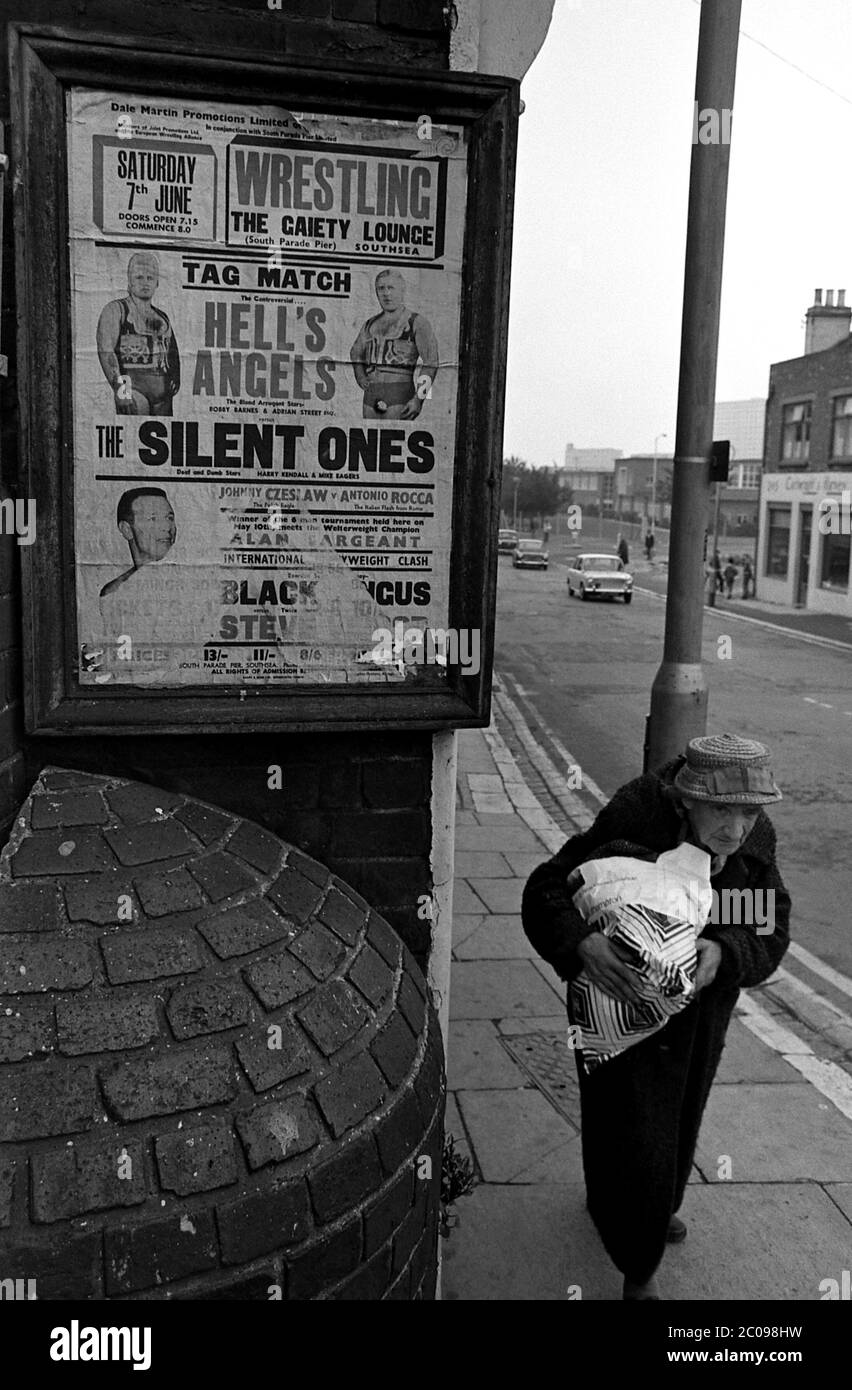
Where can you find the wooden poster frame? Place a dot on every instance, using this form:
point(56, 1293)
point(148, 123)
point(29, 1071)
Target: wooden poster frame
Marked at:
point(46, 62)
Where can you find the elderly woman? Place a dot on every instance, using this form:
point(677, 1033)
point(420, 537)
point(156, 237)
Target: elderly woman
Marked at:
point(641, 1111)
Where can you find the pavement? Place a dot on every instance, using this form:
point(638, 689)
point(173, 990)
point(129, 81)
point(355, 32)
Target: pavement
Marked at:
point(769, 1205)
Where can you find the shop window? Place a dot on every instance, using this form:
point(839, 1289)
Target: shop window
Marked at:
point(796, 432)
point(834, 573)
point(778, 542)
point(841, 431)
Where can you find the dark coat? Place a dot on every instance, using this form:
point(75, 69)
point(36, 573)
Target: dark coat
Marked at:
point(641, 817)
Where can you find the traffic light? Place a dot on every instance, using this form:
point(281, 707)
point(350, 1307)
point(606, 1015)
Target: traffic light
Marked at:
point(720, 459)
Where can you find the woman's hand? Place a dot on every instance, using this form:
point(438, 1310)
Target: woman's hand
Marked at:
point(606, 969)
point(709, 960)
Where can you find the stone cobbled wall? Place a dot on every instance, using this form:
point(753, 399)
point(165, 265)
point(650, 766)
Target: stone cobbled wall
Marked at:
point(220, 1075)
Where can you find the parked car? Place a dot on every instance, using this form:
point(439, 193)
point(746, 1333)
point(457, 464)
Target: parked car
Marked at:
point(604, 576)
point(506, 541)
point(530, 554)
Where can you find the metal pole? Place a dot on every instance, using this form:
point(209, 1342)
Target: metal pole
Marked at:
point(654, 484)
point(515, 513)
point(679, 692)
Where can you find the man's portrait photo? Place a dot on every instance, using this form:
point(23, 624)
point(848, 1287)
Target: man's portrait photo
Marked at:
point(395, 356)
point(136, 344)
point(146, 520)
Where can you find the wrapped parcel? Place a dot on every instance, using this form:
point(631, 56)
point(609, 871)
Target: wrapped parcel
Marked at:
point(654, 913)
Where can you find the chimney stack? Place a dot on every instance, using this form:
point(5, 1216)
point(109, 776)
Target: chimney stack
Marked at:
point(827, 323)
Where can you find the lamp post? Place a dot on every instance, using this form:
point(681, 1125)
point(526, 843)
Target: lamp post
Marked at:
point(679, 692)
point(654, 483)
point(515, 511)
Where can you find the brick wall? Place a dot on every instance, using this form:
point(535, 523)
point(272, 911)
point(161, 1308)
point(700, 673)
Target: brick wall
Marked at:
point(155, 1140)
point(817, 374)
point(359, 804)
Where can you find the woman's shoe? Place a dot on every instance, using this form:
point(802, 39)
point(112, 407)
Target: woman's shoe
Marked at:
point(676, 1231)
point(641, 1293)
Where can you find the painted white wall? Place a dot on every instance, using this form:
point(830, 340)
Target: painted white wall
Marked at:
point(499, 36)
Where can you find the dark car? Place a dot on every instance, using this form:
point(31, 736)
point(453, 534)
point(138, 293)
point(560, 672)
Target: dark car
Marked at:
point(530, 554)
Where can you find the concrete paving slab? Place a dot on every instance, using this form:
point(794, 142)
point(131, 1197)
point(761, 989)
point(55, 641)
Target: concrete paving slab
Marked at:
point(511, 1130)
point(464, 924)
point(746, 1058)
point(775, 1241)
point(499, 894)
point(770, 1136)
point(523, 864)
point(548, 1023)
point(482, 863)
point(453, 1125)
point(500, 989)
point(477, 1060)
point(549, 974)
point(473, 752)
point(485, 782)
point(522, 1244)
point(465, 818)
point(490, 804)
point(504, 836)
point(841, 1193)
point(466, 903)
point(497, 938)
point(562, 1165)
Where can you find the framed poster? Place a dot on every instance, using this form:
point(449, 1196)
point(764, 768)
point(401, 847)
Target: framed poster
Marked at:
point(261, 362)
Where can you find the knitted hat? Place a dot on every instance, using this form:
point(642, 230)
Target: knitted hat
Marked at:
point(724, 768)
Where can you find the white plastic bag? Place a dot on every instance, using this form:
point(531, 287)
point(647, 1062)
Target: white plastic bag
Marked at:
point(655, 912)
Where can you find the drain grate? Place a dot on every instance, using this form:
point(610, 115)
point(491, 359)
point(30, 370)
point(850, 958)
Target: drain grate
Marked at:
point(549, 1062)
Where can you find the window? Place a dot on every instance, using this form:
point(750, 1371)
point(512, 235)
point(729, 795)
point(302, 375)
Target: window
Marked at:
point(841, 430)
point(622, 480)
point(749, 475)
point(606, 486)
point(835, 563)
point(796, 432)
point(778, 542)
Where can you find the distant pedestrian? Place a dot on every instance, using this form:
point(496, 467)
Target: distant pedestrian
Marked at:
point(547, 529)
point(748, 578)
point(717, 565)
point(621, 549)
point(731, 573)
point(649, 547)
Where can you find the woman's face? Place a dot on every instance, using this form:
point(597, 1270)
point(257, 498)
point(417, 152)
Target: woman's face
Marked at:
point(722, 828)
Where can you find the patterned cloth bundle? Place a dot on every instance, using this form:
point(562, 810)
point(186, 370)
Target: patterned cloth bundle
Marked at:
point(654, 913)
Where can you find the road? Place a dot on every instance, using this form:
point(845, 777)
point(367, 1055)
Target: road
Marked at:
point(587, 669)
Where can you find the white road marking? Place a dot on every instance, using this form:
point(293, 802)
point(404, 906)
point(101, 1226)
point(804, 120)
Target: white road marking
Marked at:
point(818, 967)
point(569, 760)
point(759, 622)
point(830, 1080)
point(808, 992)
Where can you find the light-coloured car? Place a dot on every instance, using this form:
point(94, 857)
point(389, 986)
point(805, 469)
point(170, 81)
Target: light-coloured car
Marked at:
point(530, 554)
point(507, 539)
point(599, 576)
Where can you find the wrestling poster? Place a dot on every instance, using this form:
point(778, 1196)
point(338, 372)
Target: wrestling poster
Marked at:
point(265, 320)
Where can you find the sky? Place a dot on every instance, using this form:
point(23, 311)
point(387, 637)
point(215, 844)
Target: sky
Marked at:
point(600, 213)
